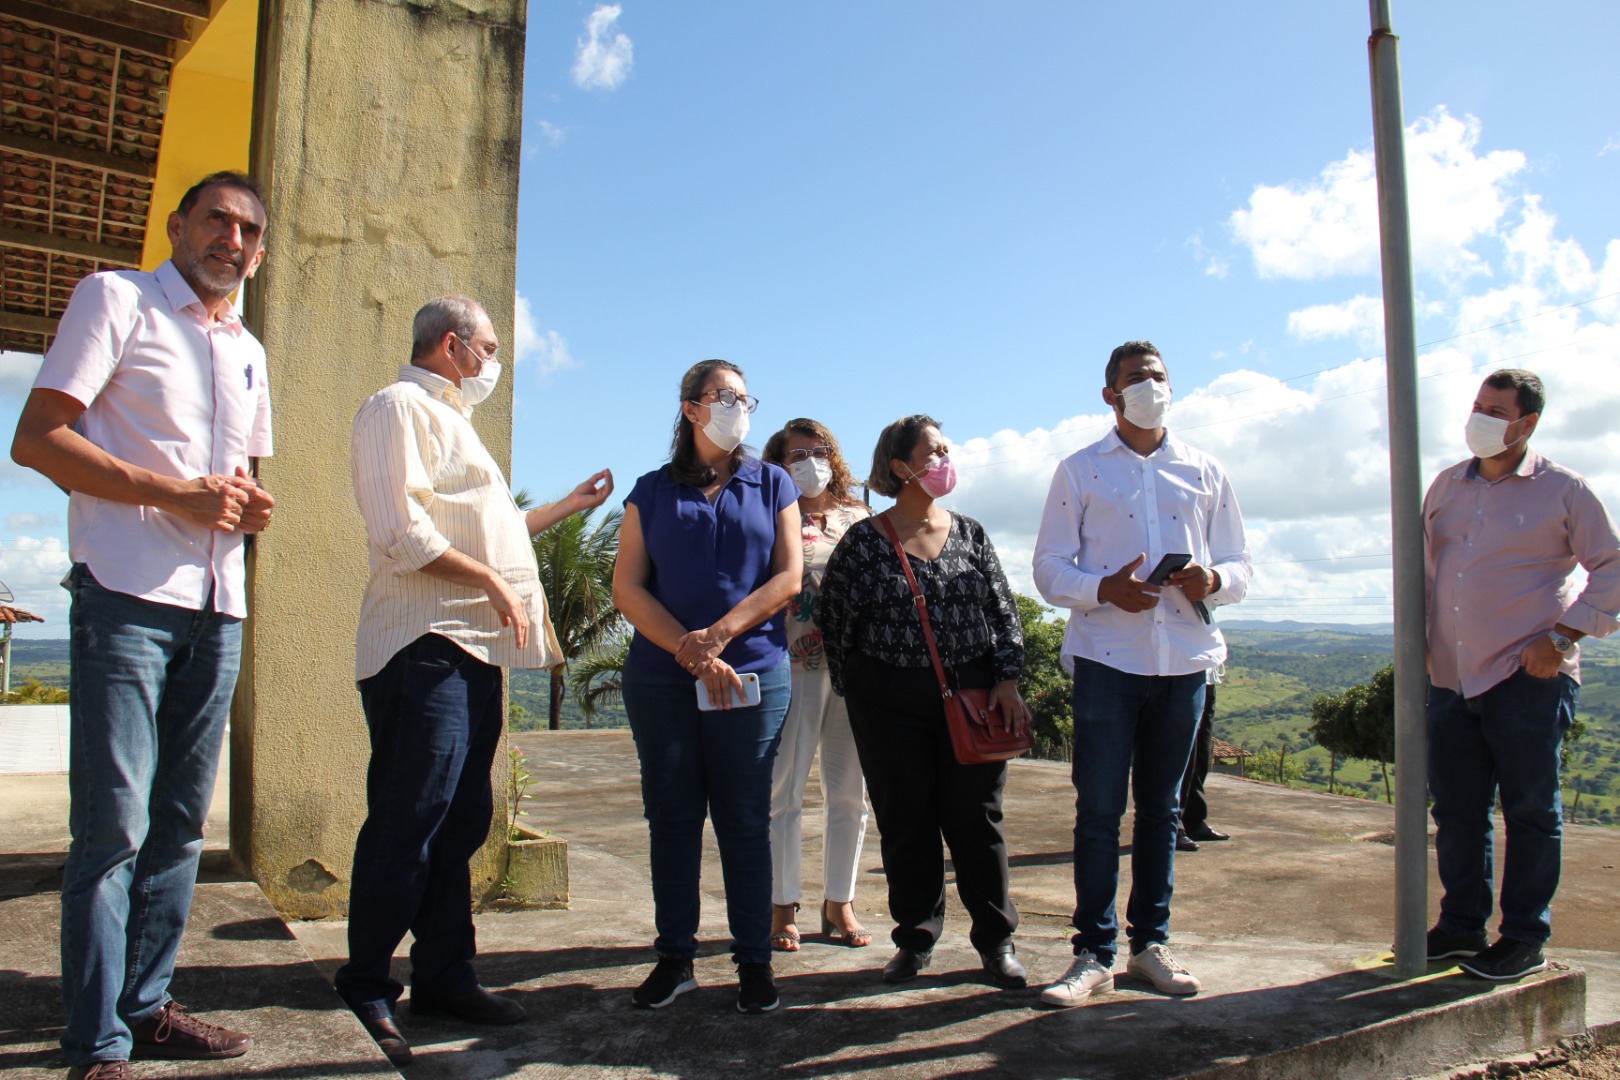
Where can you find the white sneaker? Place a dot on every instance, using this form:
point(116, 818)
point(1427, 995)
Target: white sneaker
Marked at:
point(1084, 978)
point(1156, 964)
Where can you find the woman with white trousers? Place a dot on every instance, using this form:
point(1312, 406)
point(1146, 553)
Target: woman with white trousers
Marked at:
point(816, 718)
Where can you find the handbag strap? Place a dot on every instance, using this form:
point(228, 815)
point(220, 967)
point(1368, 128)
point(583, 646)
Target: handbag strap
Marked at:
point(922, 607)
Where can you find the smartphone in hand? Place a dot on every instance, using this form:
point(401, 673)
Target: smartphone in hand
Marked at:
point(1167, 566)
point(748, 697)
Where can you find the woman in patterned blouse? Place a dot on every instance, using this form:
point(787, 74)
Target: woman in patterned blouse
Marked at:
point(810, 454)
point(878, 660)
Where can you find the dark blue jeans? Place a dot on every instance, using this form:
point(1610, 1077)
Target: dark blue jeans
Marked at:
point(693, 765)
point(1506, 739)
point(1132, 731)
point(150, 690)
point(434, 713)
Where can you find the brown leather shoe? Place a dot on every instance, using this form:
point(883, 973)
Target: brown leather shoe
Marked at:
point(388, 1038)
point(101, 1070)
point(171, 1032)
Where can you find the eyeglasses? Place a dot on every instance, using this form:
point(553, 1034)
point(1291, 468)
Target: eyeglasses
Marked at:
point(494, 354)
point(820, 453)
point(728, 397)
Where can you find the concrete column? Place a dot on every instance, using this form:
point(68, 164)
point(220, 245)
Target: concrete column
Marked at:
point(388, 131)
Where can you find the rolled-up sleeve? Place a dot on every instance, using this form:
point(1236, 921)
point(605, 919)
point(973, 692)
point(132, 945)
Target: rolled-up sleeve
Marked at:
point(1056, 566)
point(1596, 546)
point(1228, 547)
point(387, 455)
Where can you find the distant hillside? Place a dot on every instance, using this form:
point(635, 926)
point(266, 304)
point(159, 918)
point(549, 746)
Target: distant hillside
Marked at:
point(1275, 673)
point(1276, 670)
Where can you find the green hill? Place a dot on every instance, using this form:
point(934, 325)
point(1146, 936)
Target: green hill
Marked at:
point(1274, 675)
point(1275, 672)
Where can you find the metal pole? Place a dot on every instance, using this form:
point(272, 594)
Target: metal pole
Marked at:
point(1406, 501)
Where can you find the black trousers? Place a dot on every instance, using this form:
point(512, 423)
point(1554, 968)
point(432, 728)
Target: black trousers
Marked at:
point(920, 794)
point(1194, 807)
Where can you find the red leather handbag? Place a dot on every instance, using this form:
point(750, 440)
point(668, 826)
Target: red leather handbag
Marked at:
point(980, 735)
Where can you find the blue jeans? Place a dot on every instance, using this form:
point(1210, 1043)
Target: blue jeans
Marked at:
point(150, 688)
point(434, 715)
point(695, 764)
point(1136, 730)
point(1506, 739)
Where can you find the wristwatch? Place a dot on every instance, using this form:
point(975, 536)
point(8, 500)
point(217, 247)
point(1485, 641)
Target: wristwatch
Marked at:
point(1560, 642)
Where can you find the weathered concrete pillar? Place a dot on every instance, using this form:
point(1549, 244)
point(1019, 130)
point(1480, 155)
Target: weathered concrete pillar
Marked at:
point(388, 131)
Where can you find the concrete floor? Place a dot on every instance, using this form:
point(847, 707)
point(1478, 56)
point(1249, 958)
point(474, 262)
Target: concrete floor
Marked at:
point(1286, 924)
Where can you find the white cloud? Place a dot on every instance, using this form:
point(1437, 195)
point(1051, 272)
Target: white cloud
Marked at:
point(552, 133)
point(28, 520)
point(33, 569)
point(17, 372)
point(545, 349)
point(1360, 317)
point(604, 54)
point(1328, 225)
point(1309, 456)
point(1612, 146)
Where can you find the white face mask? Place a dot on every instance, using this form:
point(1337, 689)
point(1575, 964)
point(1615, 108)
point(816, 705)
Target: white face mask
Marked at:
point(476, 388)
point(1484, 435)
point(727, 426)
point(812, 475)
point(1146, 403)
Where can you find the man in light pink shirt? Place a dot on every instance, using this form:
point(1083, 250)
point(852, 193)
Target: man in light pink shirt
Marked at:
point(147, 410)
point(1503, 533)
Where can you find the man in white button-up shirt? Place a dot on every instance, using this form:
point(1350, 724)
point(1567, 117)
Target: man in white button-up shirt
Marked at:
point(1139, 652)
point(453, 596)
point(147, 409)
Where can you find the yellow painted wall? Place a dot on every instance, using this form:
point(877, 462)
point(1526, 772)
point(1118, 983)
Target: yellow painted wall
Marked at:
point(209, 119)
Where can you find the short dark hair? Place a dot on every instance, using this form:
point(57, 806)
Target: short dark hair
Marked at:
point(440, 316)
point(684, 465)
point(1128, 351)
point(230, 177)
point(842, 479)
point(1531, 395)
point(897, 440)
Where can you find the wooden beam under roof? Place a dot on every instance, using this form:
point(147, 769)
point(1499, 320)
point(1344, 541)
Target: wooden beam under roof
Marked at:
point(125, 13)
point(28, 324)
point(73, 154)
point(106, 33)
point(191, 9)
point(30, 240)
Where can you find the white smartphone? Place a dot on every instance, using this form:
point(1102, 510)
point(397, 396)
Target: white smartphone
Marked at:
point(749, 695)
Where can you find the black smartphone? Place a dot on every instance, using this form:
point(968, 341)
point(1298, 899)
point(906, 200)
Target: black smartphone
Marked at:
point(1167, 566)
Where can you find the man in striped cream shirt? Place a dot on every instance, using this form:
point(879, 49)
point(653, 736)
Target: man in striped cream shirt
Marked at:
point(453, 596)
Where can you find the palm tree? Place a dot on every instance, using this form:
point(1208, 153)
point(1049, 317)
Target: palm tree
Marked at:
point(598, 678)
point(575, 559)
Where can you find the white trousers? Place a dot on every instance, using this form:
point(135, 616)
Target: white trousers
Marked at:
point(817, 717)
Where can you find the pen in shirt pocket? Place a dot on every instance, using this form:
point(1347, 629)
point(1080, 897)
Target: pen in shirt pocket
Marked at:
point(248, 371)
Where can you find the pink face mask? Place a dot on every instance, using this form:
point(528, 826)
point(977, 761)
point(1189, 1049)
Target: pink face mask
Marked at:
point(938, 479)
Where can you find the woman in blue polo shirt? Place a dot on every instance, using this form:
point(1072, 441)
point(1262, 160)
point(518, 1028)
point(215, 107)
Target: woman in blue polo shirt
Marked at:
point(709, 555)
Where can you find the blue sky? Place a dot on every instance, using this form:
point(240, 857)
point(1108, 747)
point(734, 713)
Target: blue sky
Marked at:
point(958, 208)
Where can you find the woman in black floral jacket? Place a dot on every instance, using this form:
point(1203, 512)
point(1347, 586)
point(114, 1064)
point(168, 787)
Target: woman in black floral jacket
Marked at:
point(879, 662)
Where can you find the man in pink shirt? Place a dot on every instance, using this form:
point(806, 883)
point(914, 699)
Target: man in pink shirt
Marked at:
point(1503, 533)
point(147, 410)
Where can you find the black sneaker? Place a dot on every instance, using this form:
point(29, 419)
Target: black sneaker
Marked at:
point(671, 977)
point(756, 988)
point(1506, 960)
point(1443, 946)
